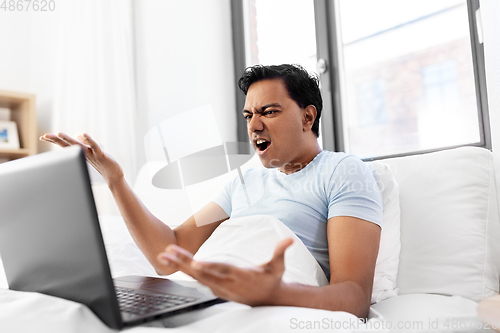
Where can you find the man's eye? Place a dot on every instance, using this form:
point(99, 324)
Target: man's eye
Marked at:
point(247, 117)
point(269, 112)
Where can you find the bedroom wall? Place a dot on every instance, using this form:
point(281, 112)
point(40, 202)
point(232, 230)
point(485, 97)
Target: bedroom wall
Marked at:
point(183, 60)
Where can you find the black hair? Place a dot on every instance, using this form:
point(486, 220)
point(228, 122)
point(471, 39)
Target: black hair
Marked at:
point(302, 86)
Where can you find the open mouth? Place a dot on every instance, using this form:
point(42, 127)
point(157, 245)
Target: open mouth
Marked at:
point(262, 144)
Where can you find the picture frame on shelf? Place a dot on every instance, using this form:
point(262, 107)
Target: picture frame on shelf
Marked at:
point(9, 138)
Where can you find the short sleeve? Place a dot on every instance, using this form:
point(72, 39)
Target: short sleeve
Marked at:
point(223, 198)
point(353, 191)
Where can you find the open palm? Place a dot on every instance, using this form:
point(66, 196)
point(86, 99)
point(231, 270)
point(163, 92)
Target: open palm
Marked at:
point(101, 161)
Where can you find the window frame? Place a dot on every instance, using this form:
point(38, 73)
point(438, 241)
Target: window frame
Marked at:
point(332, 125)
point(239, 63)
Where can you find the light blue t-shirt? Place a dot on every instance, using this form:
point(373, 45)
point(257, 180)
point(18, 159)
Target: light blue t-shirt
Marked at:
point(332, 184)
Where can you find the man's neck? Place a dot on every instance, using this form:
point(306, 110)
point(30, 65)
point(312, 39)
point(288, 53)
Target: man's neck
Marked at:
point(302, 162)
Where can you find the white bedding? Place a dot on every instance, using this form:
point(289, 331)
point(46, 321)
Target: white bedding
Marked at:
point(33, 312)
point(250, 241)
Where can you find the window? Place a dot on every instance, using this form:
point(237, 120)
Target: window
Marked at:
point(401, 76)
point(440, 84)
point(370, 100)
point(272, 35)
point(275, 39)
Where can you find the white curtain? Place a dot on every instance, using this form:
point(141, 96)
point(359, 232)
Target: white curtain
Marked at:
point(95, 84)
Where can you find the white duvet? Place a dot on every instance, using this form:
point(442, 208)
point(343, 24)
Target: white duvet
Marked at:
point(243, 241)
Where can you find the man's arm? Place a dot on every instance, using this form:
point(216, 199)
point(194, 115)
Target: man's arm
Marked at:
point(353, 247)
point(150, 234)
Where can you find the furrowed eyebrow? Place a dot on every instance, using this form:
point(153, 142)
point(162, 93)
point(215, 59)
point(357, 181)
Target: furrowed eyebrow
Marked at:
point(269, 106)
point(264, 107)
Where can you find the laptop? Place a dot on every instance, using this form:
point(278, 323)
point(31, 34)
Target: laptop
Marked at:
point(51, 242)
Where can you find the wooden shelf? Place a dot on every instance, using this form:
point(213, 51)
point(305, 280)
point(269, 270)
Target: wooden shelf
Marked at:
point(14, 153)
point(22, 111)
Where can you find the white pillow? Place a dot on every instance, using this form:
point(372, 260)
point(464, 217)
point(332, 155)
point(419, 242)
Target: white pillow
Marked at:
point(245, 241)
point(124, 256)
point(386, 269)
point(450, 227)
point(250, 241)
point(430, 313)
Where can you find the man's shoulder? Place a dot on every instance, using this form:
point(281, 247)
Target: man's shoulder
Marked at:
point(339, 164)
point(334, 159)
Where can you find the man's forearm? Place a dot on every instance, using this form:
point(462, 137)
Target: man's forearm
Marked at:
point(149, 233)
point(345, 296)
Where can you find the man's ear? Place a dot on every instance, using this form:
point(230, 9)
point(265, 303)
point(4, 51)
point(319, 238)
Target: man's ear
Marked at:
point(308, 117)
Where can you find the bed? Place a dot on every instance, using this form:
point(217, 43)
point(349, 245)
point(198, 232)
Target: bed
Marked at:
point(439, 257)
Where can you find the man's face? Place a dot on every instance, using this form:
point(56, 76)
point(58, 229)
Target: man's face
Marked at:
point(274, 123)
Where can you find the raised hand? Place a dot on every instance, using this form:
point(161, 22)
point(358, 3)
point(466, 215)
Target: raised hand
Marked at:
point(101, 161)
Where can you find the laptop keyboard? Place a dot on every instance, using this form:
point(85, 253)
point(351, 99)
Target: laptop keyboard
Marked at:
point(135, 302)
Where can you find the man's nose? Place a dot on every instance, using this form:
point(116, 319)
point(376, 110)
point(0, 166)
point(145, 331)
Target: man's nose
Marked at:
point(255, 124)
